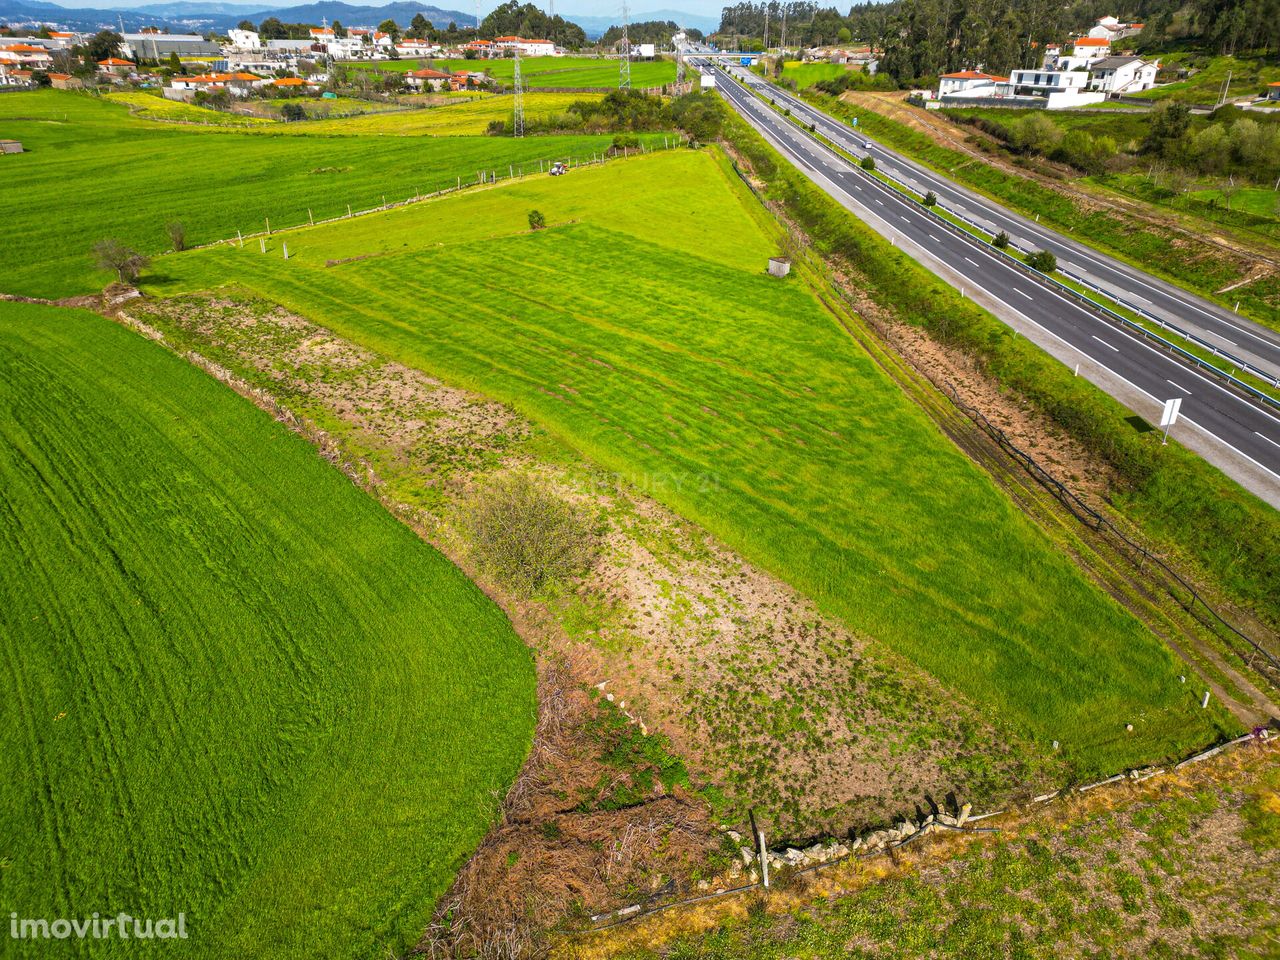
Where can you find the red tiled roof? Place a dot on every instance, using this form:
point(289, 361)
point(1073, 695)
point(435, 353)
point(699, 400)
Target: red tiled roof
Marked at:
point(971, 75)
point(428, 74)
point(1093, 42)
point(59, 76)
point(23, 48)
point(115, 62)
point(290, 82)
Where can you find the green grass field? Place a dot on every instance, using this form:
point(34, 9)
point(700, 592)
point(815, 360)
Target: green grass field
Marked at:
point(93, 171)
point(233, 686)
point(1247, 75)
point(647, 336)
point(807, 74)
point(551, 72)
point(454, 120)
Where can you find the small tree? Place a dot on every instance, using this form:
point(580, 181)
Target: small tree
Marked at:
point(111, 254)
point(177, 234)
point(1001, 242)
point(527, 537)
point(868, 163)
point(292, 111)
point(536, 220)
point(930, 199)
point(1042, 260)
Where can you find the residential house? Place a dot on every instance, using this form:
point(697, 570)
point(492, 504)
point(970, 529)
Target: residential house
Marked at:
point(116, 67)
point(237, 84)
point(969, 81)
point(13, 75)
point(1111, 29)
point(295, 85)
point(65, 81)
point(26, 55)
point(244, 39)
point(1084, 53)
point(429, 79)
point(1117, 75)
point(1053, 89)
point(409, 47)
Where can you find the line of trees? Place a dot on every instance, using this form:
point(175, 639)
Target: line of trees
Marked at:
point(649, 31)
point(513, 19)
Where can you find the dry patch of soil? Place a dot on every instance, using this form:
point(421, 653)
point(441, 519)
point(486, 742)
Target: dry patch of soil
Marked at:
point(671, 638)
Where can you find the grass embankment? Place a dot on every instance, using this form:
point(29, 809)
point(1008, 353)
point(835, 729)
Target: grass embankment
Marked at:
point(1184, 871)
point(1254, 209)
point(92, 171)
point(1248, 76)
point(234, 686)
point(1180, 501)
point(1163, 253)
point(647, 336)
point(546, 72)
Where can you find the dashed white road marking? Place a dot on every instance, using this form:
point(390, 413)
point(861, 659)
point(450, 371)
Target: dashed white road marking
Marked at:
point(1105, 344)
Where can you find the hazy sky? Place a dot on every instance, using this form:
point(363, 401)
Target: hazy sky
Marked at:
point(591, 8)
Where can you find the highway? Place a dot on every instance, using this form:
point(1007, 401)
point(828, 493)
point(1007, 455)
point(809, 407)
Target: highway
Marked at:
point(1211, 323)
point(1242, 437)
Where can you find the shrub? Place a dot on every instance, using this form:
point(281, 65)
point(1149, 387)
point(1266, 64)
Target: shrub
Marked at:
point(292, 111)
point(536, 220)
point(177, 235)
point(1001, 242)
point(626, 140)
point(868, 163)
point(1042, 260)
point(930, 199)
point(527, 537)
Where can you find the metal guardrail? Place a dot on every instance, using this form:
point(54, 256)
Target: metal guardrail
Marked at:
point(1045, 280)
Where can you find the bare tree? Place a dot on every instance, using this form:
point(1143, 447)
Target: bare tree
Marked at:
point(1228, 189)
point(177, 234)
point(111, 254)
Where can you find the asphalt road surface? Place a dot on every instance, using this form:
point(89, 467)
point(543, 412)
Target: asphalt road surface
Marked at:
point(1244, 434)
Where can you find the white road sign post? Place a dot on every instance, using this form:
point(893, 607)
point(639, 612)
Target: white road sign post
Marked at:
point(1169, 416)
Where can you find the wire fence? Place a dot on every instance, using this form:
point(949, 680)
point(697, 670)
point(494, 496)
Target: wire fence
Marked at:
point(486, 177)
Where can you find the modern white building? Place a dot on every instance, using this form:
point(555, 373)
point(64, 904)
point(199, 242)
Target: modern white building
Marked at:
point(527, 48)
point(1111, 29)
point(244, 39)
point(1123, 75)
point(1059, 89)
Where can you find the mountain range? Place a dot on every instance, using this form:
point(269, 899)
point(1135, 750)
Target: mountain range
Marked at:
point(201, 15)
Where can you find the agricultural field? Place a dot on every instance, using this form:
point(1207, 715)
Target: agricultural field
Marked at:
point(234, 686)
point(466, 119)
point(548, 72)
point(807, 74)
point(149, 106)
point(656, 346)
point(92, 171)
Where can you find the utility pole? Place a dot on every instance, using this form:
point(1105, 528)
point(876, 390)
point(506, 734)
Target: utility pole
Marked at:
point(1226, 85)
point(766, 28)
point(477, 19)
point(518, 121)
point(784, 28)
point(624, 78)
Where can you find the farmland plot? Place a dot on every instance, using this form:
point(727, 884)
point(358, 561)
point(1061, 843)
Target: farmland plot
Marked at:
point(92, 171)
point(233, 686)
point(646, 335)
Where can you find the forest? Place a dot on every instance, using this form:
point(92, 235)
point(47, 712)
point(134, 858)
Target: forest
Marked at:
point(923, 38)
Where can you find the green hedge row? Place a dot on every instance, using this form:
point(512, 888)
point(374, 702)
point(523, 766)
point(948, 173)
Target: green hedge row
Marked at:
point(1179, 500)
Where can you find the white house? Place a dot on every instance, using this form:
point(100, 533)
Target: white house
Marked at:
point(1059, 89)
point(1111, 29)
point(429, 79)
point(27, 56)
point(1123, 75)
point(968, 80)
point(237, 84)
point(1084, 53)
point(527, 48)
point(291, 46)
point(244, 39)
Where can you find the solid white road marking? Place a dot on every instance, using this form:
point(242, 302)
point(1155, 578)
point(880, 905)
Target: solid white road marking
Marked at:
point(1105, 344)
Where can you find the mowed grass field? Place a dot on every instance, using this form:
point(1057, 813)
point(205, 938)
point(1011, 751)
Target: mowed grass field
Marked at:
point(93, 171)
point(233, 685)
point(647, 336)
point(547, 72)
